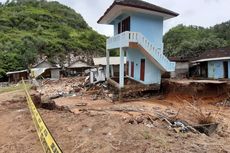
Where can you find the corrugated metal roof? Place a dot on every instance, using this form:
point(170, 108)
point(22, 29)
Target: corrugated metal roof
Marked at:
point(14, 72)
point(214, 54)
point(112, 61)
point(79, 64)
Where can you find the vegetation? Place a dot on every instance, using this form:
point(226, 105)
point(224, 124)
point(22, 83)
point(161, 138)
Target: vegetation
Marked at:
point(34, 28)
point(190, 41)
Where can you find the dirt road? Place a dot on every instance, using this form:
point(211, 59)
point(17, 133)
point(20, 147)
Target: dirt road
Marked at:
point(100, 132)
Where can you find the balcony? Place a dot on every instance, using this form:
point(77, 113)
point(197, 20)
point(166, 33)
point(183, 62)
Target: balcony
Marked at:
point(131, 39)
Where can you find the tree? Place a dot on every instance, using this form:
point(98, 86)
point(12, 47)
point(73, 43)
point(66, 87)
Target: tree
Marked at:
point(31, 29)
point(191, 41)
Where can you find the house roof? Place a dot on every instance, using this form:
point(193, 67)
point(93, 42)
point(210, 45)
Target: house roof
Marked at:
point(179, 59)
point(138, 5)
point(79, 64)
point(112, 61)
point(46, 61)
point(214, 54)
point(15, 72)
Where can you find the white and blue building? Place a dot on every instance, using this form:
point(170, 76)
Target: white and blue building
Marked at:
point(138, 36)
point(212, 64)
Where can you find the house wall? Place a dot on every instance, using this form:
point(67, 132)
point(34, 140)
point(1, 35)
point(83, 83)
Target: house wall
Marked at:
point(181, 70)
point(55, 73)
point(16, 77)
point(152, 73)
point(215, 69)
point(150, 26)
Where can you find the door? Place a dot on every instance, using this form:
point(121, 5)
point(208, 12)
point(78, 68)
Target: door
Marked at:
point(225, 69)
point(119, 28)
point(204, 69)
point(142, 74)
point(127, 68)
point(132, 69)
point(211, 70)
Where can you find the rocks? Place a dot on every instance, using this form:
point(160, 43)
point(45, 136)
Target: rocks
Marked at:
point(110, 95)
point(31, 129)
point(69, 129)
point(142, 119)
point(94, 97)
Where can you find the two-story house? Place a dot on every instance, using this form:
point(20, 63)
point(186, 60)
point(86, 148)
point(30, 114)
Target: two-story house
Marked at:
point(138, 35)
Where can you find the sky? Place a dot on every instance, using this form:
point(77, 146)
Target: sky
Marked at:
point(204, 13)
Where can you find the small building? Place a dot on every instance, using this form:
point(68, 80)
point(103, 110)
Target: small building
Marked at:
point(97, 73)
point(114, 64)
point(16, 76)
point(45, 69)
point(138, 36)
point(181, 69)
point(212, 64)
point(77, 68)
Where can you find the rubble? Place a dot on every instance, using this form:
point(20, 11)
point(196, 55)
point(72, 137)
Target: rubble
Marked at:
point(145, 119)
point(225, 103)
point(61, 88)
point(207, 129)
point(81, 86)
point(184, 127)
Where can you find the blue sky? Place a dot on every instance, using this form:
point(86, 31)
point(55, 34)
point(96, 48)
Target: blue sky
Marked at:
point(192, 12)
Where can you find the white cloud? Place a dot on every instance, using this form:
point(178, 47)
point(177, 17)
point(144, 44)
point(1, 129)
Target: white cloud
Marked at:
point(196, 12)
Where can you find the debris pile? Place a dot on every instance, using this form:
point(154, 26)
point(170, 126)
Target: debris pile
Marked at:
point(4, 84)
point(225, 103)
point(145, 119)
point(101, 90)
point(63, 87)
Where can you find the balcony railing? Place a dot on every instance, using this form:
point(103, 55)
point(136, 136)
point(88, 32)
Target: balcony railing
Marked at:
point(123, 40)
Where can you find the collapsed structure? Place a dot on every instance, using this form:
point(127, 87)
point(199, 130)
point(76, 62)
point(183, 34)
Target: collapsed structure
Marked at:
point(138, 35)
point(45, 69)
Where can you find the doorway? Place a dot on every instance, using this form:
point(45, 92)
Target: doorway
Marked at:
point(204, 69)
point(142, 74)
point(132, 69)
point(127, 68)
point(225, 69)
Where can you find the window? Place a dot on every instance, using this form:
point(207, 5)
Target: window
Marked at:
point(124, 25)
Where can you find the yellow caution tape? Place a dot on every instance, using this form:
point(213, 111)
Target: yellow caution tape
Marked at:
point(47, 140)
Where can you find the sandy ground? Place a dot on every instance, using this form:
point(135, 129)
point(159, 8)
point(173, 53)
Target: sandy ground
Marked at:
point(106, 131)
point(17, 130)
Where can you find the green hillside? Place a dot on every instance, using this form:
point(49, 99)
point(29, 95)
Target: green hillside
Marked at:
point(190, 41)
point(32, 28)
